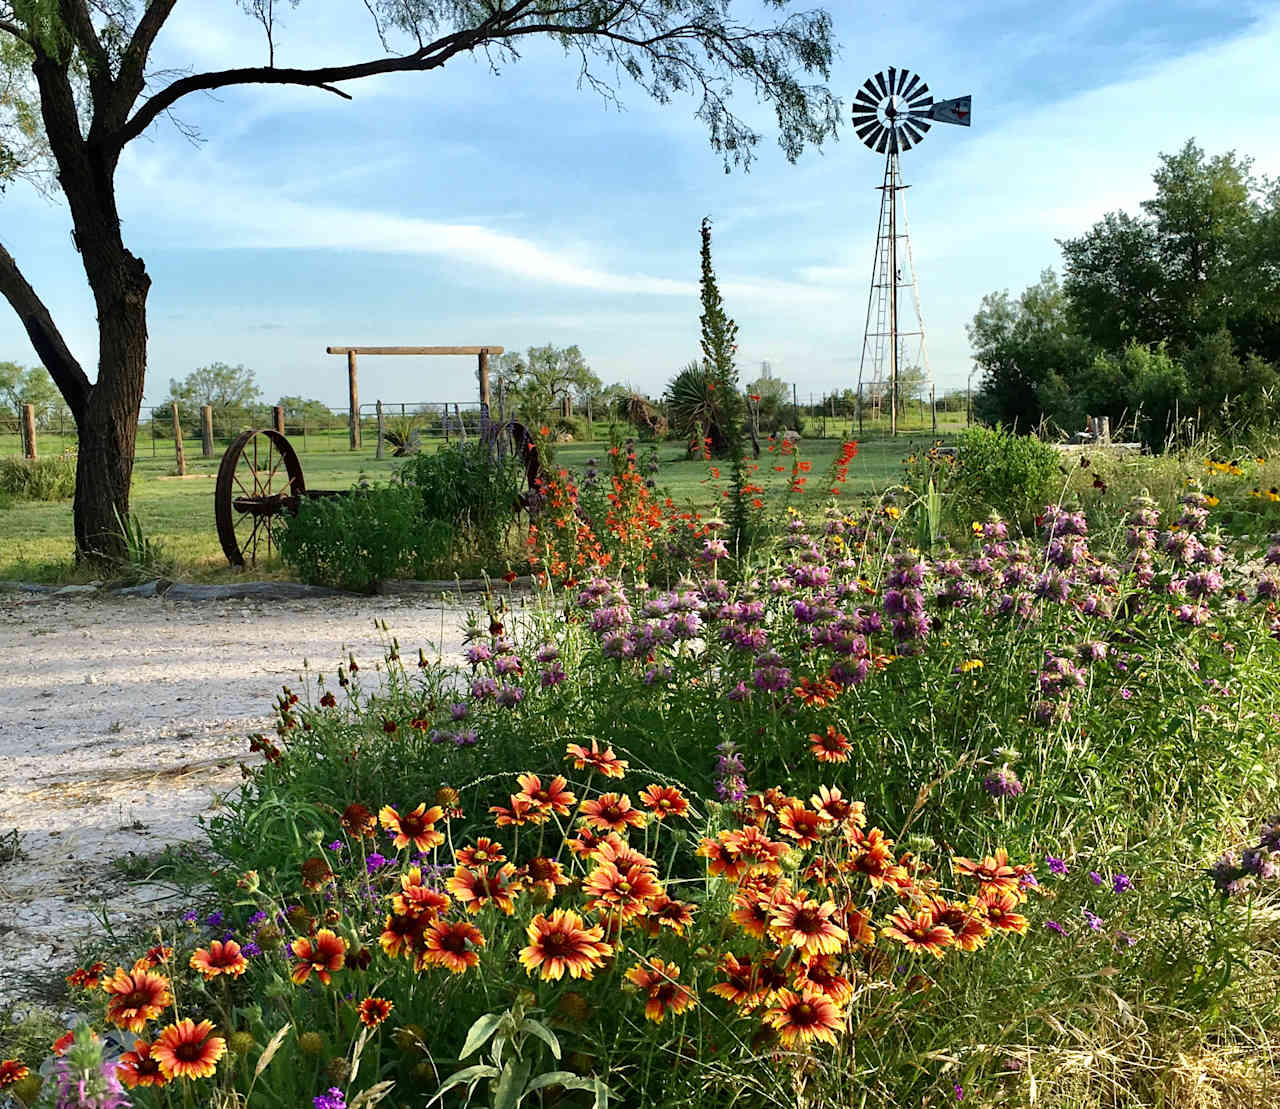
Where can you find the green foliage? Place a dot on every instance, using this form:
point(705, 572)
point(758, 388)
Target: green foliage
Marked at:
point(534, 386)
point(472, 488)
point(33, 386)
point(1013, 475)
point(39, 479)
point(298, 408)
point(231, 391)
point(145, 557)
point(357, 539)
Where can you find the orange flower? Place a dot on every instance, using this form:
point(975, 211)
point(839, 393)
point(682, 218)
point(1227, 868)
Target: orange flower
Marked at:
point(451, 945)
point(484, 852)
point(522, 812)
point(804, 1016)
point(612, 848)
point(136, 997)
point(994, 872)
point(555, 796)
point(875, 859)
point(155, 955)
point(604, 761)
point(664, 801)
point(11, 1073)
point(833, 804)
point(559, 942)
point(544, 874)
point(748, 984)
point(416, 827)
point(325, 954)
point(820, 974)
point(417, 899)
point(802, 825)
point(610, 812)
point(88, 978)
point(401, 934)
point(626, 893)
point(358, 821)
point(373, 1011)
point(998, 907)
point(139, 1068)
point(474, 889)
point(817, 694)
point(188, 1050)
point(219, 958)
point(753, 911)
point(831, 747)
point(919, 933)
point(665, 993)
point(804, 924)
point(670, 913)
point(64, 1041)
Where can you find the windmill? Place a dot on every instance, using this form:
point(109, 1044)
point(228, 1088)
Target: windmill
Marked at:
point(891, 113)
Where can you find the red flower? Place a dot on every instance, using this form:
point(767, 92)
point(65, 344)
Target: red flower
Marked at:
point(373, 1011)
point(325, 954)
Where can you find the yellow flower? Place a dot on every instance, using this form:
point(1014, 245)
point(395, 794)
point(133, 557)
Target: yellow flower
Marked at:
point(971, 664)
point(977, 527)
point(891, 511)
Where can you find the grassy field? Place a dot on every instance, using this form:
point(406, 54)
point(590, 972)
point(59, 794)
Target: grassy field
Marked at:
point(35, 537)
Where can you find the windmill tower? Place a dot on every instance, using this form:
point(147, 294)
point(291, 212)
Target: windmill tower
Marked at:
point(891, 113)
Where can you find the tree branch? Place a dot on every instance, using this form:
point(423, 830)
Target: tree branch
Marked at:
point(130, 83)
point(16, 31)
point(45, 337)
point(431, 56)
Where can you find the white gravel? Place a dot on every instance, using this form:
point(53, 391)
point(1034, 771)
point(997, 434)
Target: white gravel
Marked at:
point(123, 719)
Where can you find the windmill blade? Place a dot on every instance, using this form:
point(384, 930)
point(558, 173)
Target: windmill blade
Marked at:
point(870, 87)
point(921, 97)
point(909, 128)
point(915, 80)
point(862, 121)
point(884, 89)
point(903, 75)
point(893, 81)
point(870, 132)
point(884, 141)
point(957, 111)
point(866, 99)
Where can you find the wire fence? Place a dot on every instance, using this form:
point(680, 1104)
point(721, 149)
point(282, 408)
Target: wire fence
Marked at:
point(407, 425)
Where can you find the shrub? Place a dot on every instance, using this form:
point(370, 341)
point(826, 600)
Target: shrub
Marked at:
point(473, 488)
point(39, 479)
point(1013, 475)
point(358, 539)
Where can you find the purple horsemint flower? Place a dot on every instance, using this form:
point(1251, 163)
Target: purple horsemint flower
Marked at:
point(546, 653)
point(1052, 586)
point(1056, 865)
point(467, 738)
point(713, 592)
point(617, 645)
point(995, 528)
point(730, 772)
point(1140, 539)
point(684, 625)
point(1067, 551)
point(656, 607)
point(846, 674)
point(1093, 920)
point(552, 676)
point(802, 611)
point(1096, 605)
point(913, 627)
point(713, 550)
point(1194, 615)
point(484, 689)
point(478, 653)
point(1121, 883)
point(687, 600)
point(656, 674)
point(1014, 577)
point(1054, 926)
point(781, 586)
point(1091, 651)
point(770, 676)
point(739, 692)
point(1003, 782)
point(1095, 877)
point(507, 664)
point(610, 618)
point(1269, 834)
point(1143, 513)
point(1183, 547)
point(1123, 939)
point(1262, 862)
point(1043, 712)
point(1204, 584)
point(1102, 574)
point(458, 710)
point(1211, 556)
point(332, 1099)
point(374, 863)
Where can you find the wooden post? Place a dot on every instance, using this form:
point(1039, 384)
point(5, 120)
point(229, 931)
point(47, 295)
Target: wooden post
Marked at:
point(177, 441)
point(277, 418)
point(795, 405)
point(382, 430)
point(353, 394)
point(29, 430)
point(444, 421)
point(590, 426)
point(206, 430)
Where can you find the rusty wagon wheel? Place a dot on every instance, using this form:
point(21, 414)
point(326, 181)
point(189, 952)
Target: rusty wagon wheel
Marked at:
point(259, 478)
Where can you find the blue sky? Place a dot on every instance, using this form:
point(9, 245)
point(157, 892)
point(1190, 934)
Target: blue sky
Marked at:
point(460, 207)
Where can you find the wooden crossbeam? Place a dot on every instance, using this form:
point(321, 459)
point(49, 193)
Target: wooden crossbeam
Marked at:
point(413, 350)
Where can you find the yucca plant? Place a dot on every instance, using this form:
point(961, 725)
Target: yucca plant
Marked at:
point(699, 406)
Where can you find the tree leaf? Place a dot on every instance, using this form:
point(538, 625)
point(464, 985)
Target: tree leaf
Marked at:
point(479, 1034)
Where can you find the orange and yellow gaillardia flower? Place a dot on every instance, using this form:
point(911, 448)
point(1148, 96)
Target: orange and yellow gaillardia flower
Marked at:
point(831, 746)
point(664, 801)
point(604, 761)
point(804, 1016)
point(451, 945)
point(373, 1011)
point(219, 958)
point(610, 812)
point(12, 1072)
point(188, 1050)
point(139, 1067)
point(919, 932)
point(325, 953)
point(559, 943)
point(665, 994)
point(626, 893)
point(805, 826)
point(807, 926)
point(416, 827)
point(555, 796)
point(484, 852)
point(474, 889)
point(136, 997)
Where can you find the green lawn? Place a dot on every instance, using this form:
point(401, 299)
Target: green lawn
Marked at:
point(35, 537)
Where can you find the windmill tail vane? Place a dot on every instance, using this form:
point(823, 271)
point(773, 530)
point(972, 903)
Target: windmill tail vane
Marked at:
point(892, 112)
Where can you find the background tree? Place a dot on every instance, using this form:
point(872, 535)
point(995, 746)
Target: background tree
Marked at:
point(298, 408)
point(20, 386)
point(773, 410)
point(219, 385)
point(536, 384)
point(87, 62)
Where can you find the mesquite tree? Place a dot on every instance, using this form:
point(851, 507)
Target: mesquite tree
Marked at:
point(90, 93)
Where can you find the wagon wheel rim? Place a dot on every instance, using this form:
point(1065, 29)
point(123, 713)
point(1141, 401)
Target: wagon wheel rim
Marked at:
point(259, 465)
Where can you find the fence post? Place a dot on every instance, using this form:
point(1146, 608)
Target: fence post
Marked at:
point(177, 441)
point(206, 430)
point(483, 371)
point(277, 418)
point(382, 430)
point(353, 397)
point(29, 430)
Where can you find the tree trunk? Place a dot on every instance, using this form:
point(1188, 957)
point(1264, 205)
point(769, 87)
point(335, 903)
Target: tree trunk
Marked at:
point(108, 423)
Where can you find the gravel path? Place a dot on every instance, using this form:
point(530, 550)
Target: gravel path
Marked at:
point(123, 719)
